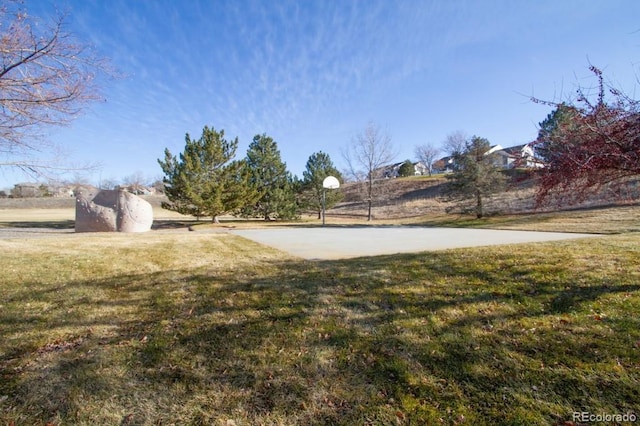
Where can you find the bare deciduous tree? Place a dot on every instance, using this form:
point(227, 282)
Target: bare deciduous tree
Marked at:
point(46, 79)
point(365, 155)
point(135, 182)
point(455, 142)
point(108, 183)
point(427, 154)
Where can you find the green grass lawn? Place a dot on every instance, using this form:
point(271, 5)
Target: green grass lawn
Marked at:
point(200, 328)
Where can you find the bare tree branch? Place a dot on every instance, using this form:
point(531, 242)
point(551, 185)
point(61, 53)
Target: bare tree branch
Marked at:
point(456, 142)
point(427, 154)
point(46, 79)
point(367, 153)
point(588, 143)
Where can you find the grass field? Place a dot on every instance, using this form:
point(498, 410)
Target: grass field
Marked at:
point(208, 328)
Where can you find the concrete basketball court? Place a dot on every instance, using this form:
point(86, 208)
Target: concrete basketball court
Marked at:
point(348, 242)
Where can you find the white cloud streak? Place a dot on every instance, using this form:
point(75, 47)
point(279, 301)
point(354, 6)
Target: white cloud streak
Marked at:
point(320, 69)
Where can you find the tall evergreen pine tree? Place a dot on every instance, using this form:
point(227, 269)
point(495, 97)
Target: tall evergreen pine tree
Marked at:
point(319, 166)
point(269, 177)
point(204, 180)
point(476, 175)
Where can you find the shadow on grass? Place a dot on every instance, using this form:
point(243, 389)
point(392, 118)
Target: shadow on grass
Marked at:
point(405, 339)
point(52, 224)
point(176, 223)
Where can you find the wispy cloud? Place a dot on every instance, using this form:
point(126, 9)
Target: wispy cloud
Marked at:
point(316, 71)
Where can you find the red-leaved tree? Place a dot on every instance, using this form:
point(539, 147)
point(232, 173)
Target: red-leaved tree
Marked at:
point(587, 144)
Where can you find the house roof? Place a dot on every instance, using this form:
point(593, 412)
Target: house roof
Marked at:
point(515, 150)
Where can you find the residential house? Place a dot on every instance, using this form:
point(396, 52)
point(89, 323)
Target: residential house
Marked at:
point(393, 170)
point(137, 189)
point(448, 164)
point(28, 190)
point(521, 156)
point(444, 165)
point(505, 158)
point(390, 171)
point(421, 169)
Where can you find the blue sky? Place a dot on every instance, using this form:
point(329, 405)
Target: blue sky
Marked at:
point(313, 73)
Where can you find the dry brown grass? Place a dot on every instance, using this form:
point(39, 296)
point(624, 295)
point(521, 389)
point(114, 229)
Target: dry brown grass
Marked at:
point(180, 327)
point(403, 200)
point(43, 214)
point(410, 198)
point(184, 327)
point(36, 215)
point(603, 220)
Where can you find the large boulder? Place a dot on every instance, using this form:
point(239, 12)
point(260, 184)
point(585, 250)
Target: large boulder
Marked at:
point(112, 211)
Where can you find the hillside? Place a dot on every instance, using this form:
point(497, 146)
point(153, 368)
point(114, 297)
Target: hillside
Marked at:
point(399, 198)
point(394, 198)
point(421, 195)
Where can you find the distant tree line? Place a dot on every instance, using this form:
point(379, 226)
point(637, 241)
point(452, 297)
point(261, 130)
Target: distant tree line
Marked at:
point(207, 180)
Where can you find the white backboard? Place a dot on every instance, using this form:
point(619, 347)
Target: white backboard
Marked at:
point(330, 182)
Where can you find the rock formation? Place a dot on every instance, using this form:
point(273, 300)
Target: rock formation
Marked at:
point(112, 211)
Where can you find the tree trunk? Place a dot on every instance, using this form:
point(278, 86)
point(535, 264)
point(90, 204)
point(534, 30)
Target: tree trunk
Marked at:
point(214, 219)
point(370, 196)
point(479, 207)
